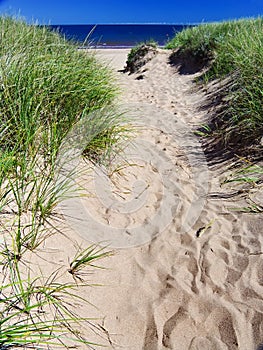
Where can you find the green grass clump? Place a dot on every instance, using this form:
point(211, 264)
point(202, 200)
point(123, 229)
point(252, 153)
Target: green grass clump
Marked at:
point(84, 258)
point(47, 85)
point(136, 56)
point(48, 91)
point(234, 50)
point(141, 47)
point(201, 41)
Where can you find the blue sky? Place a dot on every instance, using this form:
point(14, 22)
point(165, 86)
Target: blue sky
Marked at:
point(130, 11)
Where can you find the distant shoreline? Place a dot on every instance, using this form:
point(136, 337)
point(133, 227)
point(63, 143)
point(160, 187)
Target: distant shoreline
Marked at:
point(106, 47)
point(119, 36)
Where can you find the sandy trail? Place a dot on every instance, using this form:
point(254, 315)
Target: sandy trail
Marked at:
point(187, 271)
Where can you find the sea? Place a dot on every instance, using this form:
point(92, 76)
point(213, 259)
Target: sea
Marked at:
point(118, 35)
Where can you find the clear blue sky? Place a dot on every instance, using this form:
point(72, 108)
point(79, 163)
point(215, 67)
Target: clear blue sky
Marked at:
point(130, 11)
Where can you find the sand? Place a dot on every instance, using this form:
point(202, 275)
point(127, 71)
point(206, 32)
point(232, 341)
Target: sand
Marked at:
point(187, 269)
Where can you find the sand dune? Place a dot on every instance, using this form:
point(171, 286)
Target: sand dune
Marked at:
point(187, 272)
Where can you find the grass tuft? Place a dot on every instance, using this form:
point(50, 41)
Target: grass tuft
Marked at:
point(47, 87)
point(234, 50)
point(85, 258)
point(140, 55)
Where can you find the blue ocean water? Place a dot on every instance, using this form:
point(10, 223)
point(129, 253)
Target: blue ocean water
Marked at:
point(118, 35)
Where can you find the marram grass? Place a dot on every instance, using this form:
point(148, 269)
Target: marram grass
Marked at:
point(47, 87)
point(234, 50)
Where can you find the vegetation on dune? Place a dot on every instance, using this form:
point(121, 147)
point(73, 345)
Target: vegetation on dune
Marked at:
point(47, 87)
point(140, 55)
point(234, 50)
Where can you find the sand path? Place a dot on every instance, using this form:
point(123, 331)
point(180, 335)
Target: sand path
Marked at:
point(187, 271)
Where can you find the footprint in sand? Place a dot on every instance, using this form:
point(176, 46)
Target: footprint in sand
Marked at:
point(164, 179)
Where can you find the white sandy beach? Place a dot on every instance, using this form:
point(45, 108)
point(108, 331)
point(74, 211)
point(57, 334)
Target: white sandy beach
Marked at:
point(187, 269)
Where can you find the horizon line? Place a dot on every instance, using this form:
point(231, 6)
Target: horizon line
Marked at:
point(128, 23)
